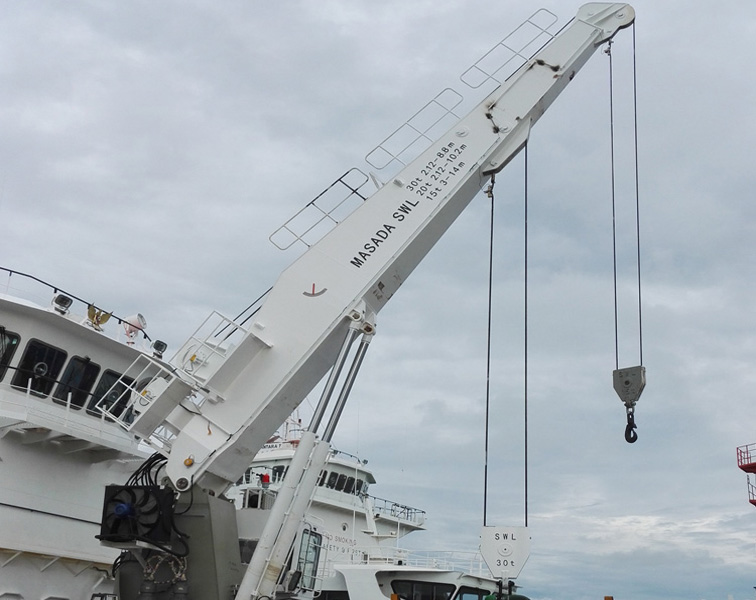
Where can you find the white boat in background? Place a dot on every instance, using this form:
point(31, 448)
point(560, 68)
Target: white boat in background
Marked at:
point(360, 548)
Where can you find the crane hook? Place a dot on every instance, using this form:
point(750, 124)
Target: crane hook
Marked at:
point(629, 383)
point(630, 435)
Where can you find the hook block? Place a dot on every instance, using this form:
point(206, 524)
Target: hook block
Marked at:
point(629, 383)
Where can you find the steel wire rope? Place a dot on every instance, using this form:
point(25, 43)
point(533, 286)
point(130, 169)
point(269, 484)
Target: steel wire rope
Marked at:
point(525, 328)
point(490, 194)
point(614, 202)
point(637, 201)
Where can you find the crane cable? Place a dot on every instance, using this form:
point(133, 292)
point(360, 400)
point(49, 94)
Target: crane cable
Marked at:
point(490, 194)
point(525, 328)
point(630, 435)
point(637, 202)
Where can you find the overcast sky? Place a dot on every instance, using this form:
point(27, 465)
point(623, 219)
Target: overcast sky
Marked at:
point(147, 150)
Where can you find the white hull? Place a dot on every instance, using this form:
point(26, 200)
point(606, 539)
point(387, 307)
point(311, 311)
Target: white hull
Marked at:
point(50, 508)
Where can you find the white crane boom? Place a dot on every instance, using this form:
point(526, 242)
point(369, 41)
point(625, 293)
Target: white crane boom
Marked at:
point(342, 281)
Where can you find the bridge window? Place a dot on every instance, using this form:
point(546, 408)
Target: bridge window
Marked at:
point(8, 345)
point(279, 472)
point(332, 478)
point(117, 397)
point(39, 368)
point(422, 590)
point(349, 485)
point(78, 380)
point(341, 482)
point(468, 593)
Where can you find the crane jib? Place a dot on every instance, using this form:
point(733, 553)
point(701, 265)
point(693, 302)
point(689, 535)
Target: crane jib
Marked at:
point(251, 387)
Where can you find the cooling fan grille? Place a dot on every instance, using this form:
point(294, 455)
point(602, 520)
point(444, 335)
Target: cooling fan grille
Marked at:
point(137, 513)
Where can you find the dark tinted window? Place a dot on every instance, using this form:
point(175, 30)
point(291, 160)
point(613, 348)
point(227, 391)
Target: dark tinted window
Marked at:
point(39, 368)
point(78, 379)
point(468, 593)
point(246, 549)
point(8, 345)
point(279, 472)
point(422, 590)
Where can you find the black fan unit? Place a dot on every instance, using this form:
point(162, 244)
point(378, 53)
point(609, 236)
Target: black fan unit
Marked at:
point(137, 513)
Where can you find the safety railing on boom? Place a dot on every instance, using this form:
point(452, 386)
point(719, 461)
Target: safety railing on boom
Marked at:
point(422, 129)
point(194, 363)
point(323, 212)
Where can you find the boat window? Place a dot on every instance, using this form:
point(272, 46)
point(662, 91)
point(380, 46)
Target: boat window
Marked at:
point(39, 368)
point(246, 549)
point(309, 555)
point(422, 590)
point(8, 345)
point(78, 380)
point(358, 489)
point(279, 471)
point(253, 499)
point(116, 400)
point(468, 593)
point(322, 480)
point(349, 485)
point(332, 477)
point(341, 482)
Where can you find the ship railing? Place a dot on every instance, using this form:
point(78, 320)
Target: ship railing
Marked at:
point(471, 563)
point(149, 389)
point(746, 455)
point(451, 560)
point(751, 491)
point(24, 405)
point(257, 498)
point(34, 290)
point(399, 511)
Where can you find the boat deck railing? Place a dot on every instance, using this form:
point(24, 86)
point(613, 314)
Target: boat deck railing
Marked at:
point(471, 563)
point(18, 406)
point(399, 511)
point(468, 562)
point(747, 458)
point(35, 290)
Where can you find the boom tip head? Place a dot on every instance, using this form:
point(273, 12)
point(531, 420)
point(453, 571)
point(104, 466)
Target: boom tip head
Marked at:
point(609, 17)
